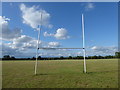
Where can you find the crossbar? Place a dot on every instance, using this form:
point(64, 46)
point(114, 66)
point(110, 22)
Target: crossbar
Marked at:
point(61, 48)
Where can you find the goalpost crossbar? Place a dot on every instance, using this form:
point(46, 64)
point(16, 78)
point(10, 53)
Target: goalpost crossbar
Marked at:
point(61, 48)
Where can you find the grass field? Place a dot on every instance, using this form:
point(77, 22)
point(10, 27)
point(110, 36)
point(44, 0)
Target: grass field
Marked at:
point(61, 74)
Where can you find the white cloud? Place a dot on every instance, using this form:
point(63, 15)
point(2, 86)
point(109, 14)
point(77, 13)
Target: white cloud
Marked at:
point(89, 6)
point(24, 43)
point(22, 39)
point(8, 34)
point(22, 46)
point(61, 52)
point(53, 44)
point(19, 45)
point(32, 16)
point(25, 50)
point(4, 20)
point(100, 50)
point(6, 50)
point(17, 42)
point(61, 33)
point(50, 26)
point(46, 34)
point(94, 47)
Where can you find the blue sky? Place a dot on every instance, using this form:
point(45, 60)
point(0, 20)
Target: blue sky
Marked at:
point(62, 25)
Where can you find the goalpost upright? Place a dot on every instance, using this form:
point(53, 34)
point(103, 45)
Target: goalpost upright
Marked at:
point(39, 30)
point(83, 40)
point(83, 36)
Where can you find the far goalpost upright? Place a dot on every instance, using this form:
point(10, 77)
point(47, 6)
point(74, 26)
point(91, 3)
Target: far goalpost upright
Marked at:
point(83, 40)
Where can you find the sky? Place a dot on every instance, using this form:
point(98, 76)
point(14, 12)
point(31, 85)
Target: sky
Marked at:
point(61, 27)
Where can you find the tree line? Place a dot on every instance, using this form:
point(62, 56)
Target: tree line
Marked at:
point(117, 55)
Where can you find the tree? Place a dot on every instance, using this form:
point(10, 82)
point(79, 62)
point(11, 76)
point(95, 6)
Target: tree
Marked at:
point(70, 57)
point(39, 57)
point(94, 57)
point(100, 57)
point(6, 57)
point(33, 58)
point(117, 54)
point(13, 58)
point(61, 57)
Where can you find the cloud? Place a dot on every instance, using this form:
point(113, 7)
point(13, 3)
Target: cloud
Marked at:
point(8, 34)
point(24, 46)
point(61, 52)
point(32, 16)
point(53, 44)
point(46, 34)
point(101, 50)
point(6, 50)
point(23, 39)
point(19, 45)
point(61, 33)
point(16, 43)
point(89, 6)
point(24, 43)
point(26, 49)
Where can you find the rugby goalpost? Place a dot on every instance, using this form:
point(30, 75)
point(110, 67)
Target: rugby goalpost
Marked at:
point(83, 41)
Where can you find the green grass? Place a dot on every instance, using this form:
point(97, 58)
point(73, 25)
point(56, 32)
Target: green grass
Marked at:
point(61, 74)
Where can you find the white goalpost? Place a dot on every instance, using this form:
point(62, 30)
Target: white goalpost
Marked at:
point(83, 31)
point(83, 40)
point(39, 29)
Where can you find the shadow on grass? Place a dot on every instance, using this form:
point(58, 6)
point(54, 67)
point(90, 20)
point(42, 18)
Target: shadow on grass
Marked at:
point(91, 72)
point(41, 74)
point(103, 71)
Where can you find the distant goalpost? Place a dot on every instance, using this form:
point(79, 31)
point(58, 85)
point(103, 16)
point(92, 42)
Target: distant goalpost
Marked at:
point(83, 41)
